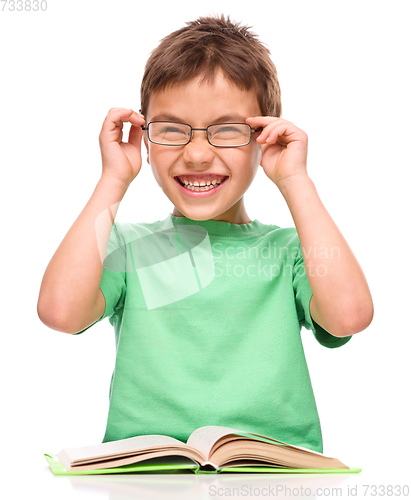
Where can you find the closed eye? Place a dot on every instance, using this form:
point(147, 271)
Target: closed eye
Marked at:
point(227, 128)
point(172, 130)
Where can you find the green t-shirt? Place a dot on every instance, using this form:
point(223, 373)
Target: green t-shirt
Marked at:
point(207, 318)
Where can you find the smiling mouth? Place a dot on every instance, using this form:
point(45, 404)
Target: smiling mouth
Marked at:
point(196, 186)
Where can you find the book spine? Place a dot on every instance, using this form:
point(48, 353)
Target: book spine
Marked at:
point(207, 468)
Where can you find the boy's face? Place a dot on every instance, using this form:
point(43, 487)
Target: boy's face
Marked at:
point(200, 105)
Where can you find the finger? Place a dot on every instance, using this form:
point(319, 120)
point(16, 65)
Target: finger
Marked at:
point(265, 122)
point(113, 123)
point(118, 117)
point(262, 121)
point(283, 133)
point(137, 121)
point(266, 133)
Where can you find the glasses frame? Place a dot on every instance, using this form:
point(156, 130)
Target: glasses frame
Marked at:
point(252, 131)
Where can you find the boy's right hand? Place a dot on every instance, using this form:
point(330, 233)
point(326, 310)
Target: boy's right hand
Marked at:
point(121, 160)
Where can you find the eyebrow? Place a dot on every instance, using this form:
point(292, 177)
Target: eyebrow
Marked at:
point(230, 118)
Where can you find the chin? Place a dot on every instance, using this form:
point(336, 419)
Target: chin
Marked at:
point(199, 215)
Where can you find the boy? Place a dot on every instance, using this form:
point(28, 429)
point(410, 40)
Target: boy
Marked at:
point(207, 305)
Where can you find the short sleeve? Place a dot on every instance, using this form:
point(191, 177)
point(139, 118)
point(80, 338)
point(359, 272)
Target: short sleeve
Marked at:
point(303, 294)
point(113, 281)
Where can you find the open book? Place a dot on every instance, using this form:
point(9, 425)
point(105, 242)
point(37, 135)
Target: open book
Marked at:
point(209, 449)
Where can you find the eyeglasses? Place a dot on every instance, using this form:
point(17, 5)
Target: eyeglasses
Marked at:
point(221, 135)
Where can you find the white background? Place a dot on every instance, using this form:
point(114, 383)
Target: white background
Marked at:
point(344, 74)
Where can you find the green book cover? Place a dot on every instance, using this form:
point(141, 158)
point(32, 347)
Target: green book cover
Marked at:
point(178, 465)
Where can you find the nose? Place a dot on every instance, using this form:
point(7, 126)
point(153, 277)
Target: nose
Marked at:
point(198, 151)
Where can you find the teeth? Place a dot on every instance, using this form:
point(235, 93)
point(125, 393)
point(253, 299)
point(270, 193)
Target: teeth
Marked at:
point(188, 183)
point(203, 186)
point(199, 188)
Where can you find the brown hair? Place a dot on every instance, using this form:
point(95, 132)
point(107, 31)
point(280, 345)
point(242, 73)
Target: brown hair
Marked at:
point(208, 44)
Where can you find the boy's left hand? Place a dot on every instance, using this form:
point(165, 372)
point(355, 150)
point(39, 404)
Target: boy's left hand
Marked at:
point(284, 147)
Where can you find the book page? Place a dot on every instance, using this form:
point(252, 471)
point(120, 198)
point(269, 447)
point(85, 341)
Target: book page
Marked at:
point(163, 455)
point(123, 446)
point(203, 439)
point(267, 439)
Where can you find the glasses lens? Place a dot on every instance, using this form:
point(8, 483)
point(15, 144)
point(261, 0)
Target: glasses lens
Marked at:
point(169, 133)
point(229, 134)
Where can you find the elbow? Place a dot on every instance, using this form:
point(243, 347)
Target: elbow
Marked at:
point(356, 321)
point(50, 317)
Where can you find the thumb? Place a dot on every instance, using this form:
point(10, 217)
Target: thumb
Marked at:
point(135, 135)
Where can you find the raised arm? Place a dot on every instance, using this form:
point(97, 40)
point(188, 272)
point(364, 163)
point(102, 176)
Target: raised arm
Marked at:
point(70, 298)
point(341, 301)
